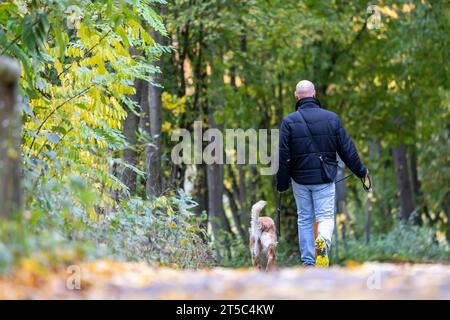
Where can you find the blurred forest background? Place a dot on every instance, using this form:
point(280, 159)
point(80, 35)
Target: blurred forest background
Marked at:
point(103, 84)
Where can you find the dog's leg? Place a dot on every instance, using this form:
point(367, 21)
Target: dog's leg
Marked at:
point(257, 262)
point(258, 254)
point(271, 259)
point(255, 250)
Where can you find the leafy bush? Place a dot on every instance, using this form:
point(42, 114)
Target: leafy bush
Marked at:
point(63, 224)
point(47, 248)
point(403, 243)
point(164, 231)
point(234, 252)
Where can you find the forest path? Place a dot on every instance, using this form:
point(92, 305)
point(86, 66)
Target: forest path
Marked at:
point(106, 279)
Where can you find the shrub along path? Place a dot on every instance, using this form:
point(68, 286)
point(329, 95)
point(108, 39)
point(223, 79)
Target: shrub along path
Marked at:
point(106, 279)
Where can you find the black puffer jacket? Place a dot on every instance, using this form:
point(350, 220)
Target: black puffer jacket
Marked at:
point(297, 159)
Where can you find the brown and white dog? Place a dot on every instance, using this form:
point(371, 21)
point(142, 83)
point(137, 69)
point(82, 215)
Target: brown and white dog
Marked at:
point(263, 238)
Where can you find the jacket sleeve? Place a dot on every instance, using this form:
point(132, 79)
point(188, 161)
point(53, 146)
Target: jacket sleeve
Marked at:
point(348, 153)
point(284, 157)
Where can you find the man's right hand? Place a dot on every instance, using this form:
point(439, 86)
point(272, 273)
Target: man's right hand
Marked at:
point(368, 180)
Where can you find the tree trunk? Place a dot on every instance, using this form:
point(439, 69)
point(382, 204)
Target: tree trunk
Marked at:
point(144, 122)
point(153, 153)
point(415, 182)
point(237, 192)
point(235, 213)
point(215, 189)
point(336, 239)
point(447, 209)
point(216, 213)
point(245, 214)
point(368, 224)
point(406, 197)
point(341, 190)
point(130, 127)
point(373, 154)
point(279, 111)
point(215, 171)
point(253, 177)
point(10, 139)
point(341, 206)
point(113, 193)
point(200, 193)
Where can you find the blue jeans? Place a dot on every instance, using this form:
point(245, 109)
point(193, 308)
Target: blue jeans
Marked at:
point(310, 199)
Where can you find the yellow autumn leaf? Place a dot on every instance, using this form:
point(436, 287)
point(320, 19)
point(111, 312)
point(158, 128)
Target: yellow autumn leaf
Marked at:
point(166, 126)
point(171, 224)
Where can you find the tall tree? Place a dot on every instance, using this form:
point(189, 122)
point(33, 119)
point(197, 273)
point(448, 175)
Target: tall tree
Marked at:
point(153, 151)
point(406, 196)
point(215, 171)
point(10, 133)
point(130, 128)
point(447, 211)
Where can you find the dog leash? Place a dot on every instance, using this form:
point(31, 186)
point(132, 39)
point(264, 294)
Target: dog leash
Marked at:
point(367, 188)
point(363, 181)
point(342, 179)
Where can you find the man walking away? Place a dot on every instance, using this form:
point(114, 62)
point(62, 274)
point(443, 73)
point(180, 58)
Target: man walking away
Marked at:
point(310, 137)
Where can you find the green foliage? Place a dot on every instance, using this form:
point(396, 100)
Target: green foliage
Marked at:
point(237, 63)
point(59, 227)
point(389, 85)
point(80, 60)
point(234, 252)
point(163, 232)
point(435, 152)
point(47, 248)
point(403, 243)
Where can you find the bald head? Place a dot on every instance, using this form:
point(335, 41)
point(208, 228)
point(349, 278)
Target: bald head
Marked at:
point(304, 89)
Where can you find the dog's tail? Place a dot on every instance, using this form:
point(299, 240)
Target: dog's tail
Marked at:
point(256, 209)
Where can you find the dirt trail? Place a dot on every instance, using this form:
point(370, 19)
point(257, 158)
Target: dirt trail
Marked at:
point(117, 280)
